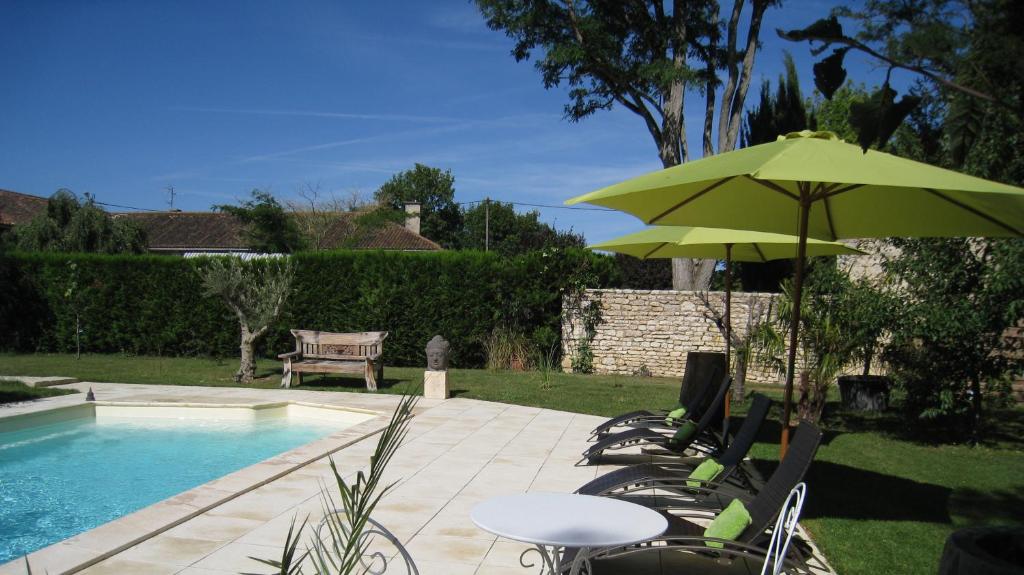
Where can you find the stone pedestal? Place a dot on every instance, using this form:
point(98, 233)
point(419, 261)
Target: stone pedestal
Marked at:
point(435, 384)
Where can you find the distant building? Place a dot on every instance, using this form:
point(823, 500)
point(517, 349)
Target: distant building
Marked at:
point(193, 233)
point(17, 208)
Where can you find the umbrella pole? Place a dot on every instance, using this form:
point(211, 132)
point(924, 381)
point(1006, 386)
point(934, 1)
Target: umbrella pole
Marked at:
point(798, 281)
point(728, 340)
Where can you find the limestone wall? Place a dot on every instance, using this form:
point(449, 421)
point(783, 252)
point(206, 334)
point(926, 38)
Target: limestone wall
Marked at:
point(653, 330)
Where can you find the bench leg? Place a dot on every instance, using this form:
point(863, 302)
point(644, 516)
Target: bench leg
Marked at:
point(286, 379)
point(370, 375)
point(298, 378)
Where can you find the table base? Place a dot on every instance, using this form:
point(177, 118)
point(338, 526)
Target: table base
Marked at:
point(553, 562)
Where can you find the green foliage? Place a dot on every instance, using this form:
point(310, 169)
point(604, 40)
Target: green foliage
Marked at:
point(268, 227)
point(510, 232)
point(969, 55)
point(507, 349)
point(434, 189)
point(824, 342)
point(644, 274)
point(582, 315)
point(69, 225)
point(255, 291)
point(958, 295)
point(155, 304)
point(777, 114)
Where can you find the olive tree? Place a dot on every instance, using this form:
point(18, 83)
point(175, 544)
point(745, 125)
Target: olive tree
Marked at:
point(255, 292)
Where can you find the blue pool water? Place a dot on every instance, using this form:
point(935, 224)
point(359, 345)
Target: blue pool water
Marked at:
point(61, 479)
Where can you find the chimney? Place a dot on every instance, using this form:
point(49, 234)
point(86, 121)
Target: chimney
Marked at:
point(412, 217)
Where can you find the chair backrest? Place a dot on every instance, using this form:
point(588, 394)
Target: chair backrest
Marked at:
point(710, 417)
point(703, 369)
point(745, 437)
point(768, 503)
point(328, 345)
point(784, 529)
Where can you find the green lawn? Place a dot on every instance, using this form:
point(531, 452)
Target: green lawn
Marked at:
point(879, 501)
point(12, 391)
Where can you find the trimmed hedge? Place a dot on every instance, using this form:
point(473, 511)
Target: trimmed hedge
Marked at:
point(153, 305)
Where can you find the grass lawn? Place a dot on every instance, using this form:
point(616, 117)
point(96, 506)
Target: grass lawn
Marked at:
point(879, 501)
point(12, 391)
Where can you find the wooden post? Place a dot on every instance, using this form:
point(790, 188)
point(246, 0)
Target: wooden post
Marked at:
point(798, 280)
point(728, 341)
point(286, 380)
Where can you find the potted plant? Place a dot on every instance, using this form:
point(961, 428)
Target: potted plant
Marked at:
point(864, 313)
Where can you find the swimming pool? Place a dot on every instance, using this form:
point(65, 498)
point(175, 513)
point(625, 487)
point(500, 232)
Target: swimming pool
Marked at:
point(76, 471)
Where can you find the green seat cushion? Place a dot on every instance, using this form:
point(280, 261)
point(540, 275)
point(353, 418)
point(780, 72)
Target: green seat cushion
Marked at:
point(674, 415)
point(728, 525)
point(707, 471)
point(684, 433)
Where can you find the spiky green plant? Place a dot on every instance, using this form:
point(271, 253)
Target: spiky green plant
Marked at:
point(342, 548)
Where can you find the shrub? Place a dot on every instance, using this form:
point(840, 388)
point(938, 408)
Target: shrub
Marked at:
point(154, 305)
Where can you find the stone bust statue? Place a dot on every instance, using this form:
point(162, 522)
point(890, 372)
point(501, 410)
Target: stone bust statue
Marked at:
point(437, 354)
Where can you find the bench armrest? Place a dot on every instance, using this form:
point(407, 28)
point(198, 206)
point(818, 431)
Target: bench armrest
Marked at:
point(290, 354)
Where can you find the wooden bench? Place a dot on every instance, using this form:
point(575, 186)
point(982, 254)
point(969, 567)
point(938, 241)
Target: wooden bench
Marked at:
point(326, 352)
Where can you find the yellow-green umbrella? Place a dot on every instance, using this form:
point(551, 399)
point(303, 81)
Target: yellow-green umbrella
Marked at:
point(813, 184)
point(719, 244)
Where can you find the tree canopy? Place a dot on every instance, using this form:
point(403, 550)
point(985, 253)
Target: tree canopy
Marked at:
point(968, 54)
point(70, 225)
point(511, 233)
point(644, 56)
point(434, 190)
point(268, 227)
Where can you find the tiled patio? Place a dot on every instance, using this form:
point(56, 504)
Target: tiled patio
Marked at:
point(459, 453)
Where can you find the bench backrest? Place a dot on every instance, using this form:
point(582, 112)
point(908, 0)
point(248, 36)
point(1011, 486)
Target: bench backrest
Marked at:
point(327, 345)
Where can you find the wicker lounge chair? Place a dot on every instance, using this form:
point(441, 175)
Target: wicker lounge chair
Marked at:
point(673, 476)
point(702, 440)
point(696, 389)
point(686, 536)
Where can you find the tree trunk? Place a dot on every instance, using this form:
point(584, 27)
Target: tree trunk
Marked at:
point(975, 408)
point(247, 369)
point(692, 275)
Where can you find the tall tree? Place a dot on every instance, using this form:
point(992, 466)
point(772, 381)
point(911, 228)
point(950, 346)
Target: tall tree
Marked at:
point(498, 227)
point(70, 225)
point(644, 56)
point(268, 227)
point(969, 53)
point(776, 113)
point(434, 190)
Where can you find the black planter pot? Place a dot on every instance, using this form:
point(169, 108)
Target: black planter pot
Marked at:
point(984, 551)
point(865, 392)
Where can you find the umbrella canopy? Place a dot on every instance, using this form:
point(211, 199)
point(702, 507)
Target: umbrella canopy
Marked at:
point(710, 243)
point(815, 185)
point(849, 193)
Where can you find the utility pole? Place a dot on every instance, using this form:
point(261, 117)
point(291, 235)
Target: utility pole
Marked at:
point(487, 224)
point(170, 197)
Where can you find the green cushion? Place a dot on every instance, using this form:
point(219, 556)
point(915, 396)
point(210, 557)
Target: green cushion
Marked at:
point(683, 434)
point(675, 414)
point(728, 525)
point(707, 471)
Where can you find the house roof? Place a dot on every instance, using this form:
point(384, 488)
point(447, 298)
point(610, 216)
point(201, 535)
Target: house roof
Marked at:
point(17, 208)
point(212, 231)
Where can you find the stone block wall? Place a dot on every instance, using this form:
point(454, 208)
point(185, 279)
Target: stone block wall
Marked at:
point(653, 330)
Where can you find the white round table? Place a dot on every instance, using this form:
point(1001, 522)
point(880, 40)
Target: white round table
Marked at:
point(562, 520)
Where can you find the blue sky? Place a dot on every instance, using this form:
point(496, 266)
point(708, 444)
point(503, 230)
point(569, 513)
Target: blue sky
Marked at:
point(124, 98)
